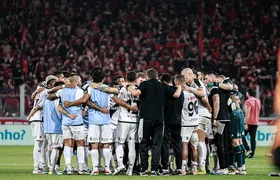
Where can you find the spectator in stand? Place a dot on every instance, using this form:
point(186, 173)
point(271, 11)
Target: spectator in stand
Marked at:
point(121, 36)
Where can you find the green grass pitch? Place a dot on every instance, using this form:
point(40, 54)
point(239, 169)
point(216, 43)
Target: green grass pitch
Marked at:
point(16, 163)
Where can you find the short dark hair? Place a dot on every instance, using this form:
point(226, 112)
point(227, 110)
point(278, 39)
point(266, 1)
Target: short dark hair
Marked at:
point(120, 76)
point(98, 75)
point(152, 73)
point(66, 74)
point(251, 92)
point(131, 76)
point(95, 69)
point(166, 78)
point(56, 73)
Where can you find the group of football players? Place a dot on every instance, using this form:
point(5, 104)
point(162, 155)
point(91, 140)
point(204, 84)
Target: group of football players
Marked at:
point(202, 116)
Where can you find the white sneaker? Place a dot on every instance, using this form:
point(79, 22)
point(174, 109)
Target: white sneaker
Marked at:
point(37, 171)
point(129, 171)
point(95, 172)
point(119, 169)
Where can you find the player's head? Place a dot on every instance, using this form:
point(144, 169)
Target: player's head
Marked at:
point(200, 75)
point(98, 75)
point(180, 80)
point(140, 77)
point(50, 81)
point(195, 73)
point(120, 80)
point(188, 74)
point(250, 93)
point(66, 76)
point(59, 75)
point(152, 73)
point(166, 78)
point(75, 79)
point(131, 76)
point(210, 77)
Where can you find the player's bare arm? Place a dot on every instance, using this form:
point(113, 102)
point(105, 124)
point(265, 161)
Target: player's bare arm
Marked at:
point(94, 106)
point(177, 92)
point(33, 111)
point(52, 96)
point(36, 92)
point(216, 106)
point(78, 102)
point(134, 92)
point(66, 113)
point(53, 90)
point(198, 92)
point(124, 104)
point(226, 86)
point(106, 89)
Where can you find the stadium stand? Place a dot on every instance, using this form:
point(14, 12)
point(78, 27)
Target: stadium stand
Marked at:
point(37, 37)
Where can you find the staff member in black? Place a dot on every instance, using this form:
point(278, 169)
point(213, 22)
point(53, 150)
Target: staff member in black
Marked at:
point(152, 95)
point(172, 126)
point(218, 99)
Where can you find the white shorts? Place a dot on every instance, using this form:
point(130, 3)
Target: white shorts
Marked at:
point(73, 132)
point(37, 130)
point(100, 133)
point(186, 133)
point(127, 132)
point(55, 140)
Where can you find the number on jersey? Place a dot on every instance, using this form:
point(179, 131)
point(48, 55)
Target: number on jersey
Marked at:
point(193, 108)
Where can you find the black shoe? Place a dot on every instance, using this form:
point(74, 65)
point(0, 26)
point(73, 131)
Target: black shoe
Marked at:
point(252, 156)
point(153, 173)
point(144, 173)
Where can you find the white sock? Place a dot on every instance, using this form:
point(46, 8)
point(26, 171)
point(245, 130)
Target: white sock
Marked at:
point(119, 154)
point(201, 155)
point(107, 157)
point(44, 154)
point(86, 158)
point(36, 154)
point(131, 154)
point(94, 158)
point(68, 157)
point(48, 155)
point(184, 164)
point(81, 157)
point(54, 157)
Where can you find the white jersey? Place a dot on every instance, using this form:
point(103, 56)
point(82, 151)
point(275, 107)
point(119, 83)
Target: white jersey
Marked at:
point(203, 111)
point(190, 109)
point(127, 115)
point(38, 116)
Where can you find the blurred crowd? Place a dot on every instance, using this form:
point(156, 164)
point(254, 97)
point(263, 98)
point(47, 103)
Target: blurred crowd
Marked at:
point(241, 38)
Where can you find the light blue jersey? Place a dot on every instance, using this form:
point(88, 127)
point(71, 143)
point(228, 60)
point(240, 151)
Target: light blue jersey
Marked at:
point(52, 118)
point(71, 94)
point(102, 100)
